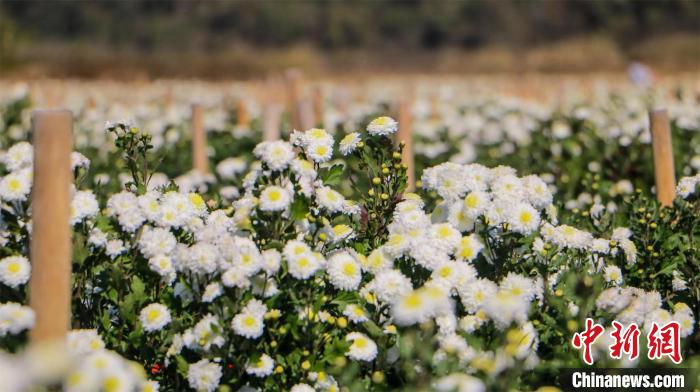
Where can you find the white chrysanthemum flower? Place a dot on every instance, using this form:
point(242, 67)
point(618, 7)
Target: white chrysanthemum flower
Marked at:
point(19, 156)
point(156, 241)
point(83, 205)
point(114, 248)
point(679, 283)
point(163, 266)
point(305, 265)
point(505, 308)
point(687, 186)
point(205, 334)
point(319, 152)
point(376, 261)
point(154, 317)
point(519, 286)
point(427, 255)
point(349, 143)
point(344, 271)
point(234, 277)
point(508, 187)
point(362, 348)
point(84, 341)
point(340, 232)
point(14, 271)
point(97, 238)
point(212, 292)
point(444, 237)
point(630, 250)
point(382, 126)
point(304, 169)
point(230, 168)
point(330, 199)
point(262, 367)
point(202, 258)
point(274, 198)
point(78, 160)
point(498, 212)
point(388, 285)
point(15, 318)
point(459, 382)
point(204, 376)
point(302, 388)
point(16, 185)
point(474, 295)
point(271, 260)
point(249, 323)
point(537, 192)
point(524, 219)
point(475, 204)
point(684, 316)
point(295, 249)
point(151, 386)
point(613, 274)
point(469, 248)
point(356, 314)
point(277, 155)
point(621, 233)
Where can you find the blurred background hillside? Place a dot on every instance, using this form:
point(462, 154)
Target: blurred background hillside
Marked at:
point(247, 39)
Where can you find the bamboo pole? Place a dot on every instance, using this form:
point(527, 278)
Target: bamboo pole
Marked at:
point(405, 135)
point(200, 162)
point(663, 156)
point(50, 248)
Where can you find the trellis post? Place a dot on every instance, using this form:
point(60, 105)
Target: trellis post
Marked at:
point(50, 247)
point(663, 156)
point(405, 135)
point(200, 162)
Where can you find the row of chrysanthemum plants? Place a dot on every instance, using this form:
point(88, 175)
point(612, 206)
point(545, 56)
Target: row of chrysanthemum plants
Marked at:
point(478, 284)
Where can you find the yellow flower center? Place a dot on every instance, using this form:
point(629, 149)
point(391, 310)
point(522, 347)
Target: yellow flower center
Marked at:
point(526, 217)
point(13, 268)
point(14, 184)
point(471, 200)
point(360, 343)
point(152, 315)
point(274, 195)
point(413, 301)
point(349, 269)
point(248, 321)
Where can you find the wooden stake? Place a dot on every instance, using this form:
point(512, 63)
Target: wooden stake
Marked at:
point(663, 156)
point(200, 162)
point(50, 248)
point(318, 106)
point(293, 84)
point(405, 135)
point(306, 114)
point(242, 117)
point(271, 122)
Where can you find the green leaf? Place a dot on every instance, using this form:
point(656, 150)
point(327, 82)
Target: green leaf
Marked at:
point(333, 175)
point(299, 208)
point(182, 366)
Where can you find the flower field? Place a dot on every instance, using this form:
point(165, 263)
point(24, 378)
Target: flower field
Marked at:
point(450, 235)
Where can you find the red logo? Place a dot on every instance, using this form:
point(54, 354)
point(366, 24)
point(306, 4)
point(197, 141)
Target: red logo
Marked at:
point(665, 341)
point(626, 341)
point(586, 338)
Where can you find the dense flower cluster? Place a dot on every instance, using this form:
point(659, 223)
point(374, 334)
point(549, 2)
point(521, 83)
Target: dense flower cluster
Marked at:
point(309, 266)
